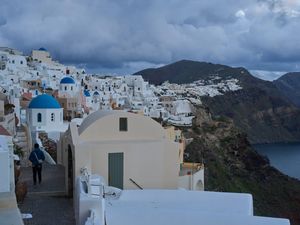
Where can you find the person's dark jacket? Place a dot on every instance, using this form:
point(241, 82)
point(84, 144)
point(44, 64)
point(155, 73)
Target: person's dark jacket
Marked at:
point(35, 155)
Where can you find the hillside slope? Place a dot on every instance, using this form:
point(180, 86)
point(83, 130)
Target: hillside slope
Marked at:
point(289, 85)
point(259, 108)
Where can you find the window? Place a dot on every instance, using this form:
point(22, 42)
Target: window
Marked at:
point(52, 117)
point(65, 88)
point(21, 62)
point(123, 124)
point(71, 88)
point(39, 117)
point(13, 61)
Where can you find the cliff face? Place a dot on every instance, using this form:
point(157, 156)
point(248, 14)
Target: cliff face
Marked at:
point(232, 165)
point(263, 117)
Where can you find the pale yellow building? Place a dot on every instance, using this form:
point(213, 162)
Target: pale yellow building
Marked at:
point(127, 149)
point(175, 134)
point(42, 56)
point(71, 107)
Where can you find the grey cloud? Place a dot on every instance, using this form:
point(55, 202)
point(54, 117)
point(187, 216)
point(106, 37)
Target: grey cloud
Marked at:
point(125, 35)
point(2, 21)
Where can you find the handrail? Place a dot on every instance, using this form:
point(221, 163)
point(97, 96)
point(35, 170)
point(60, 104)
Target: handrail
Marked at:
point(135, 184)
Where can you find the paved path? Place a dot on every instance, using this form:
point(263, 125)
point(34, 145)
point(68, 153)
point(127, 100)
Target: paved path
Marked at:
point(46, 202)
point(53, 179)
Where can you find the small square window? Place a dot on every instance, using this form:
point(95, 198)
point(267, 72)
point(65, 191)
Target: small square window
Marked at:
point(123, 124)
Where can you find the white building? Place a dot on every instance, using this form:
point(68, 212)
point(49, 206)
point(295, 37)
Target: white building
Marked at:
point(68, 87)
point(9, 212)
point(96, 203)
point(126, 148)
point(87, 99)
point(12, 61)
point(6, 164)
point(44, 114)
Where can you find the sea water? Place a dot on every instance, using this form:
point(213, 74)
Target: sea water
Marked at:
point(284, 157)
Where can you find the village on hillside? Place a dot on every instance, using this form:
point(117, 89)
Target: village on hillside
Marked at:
point(115, 142)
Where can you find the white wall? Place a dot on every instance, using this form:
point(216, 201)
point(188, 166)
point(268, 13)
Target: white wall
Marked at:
point(192, 182)
point(46, 124)
point(6, 164)
point(70, 90)
point(4, 171)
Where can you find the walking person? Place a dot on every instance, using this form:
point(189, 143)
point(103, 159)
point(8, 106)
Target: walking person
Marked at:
point(36, 158)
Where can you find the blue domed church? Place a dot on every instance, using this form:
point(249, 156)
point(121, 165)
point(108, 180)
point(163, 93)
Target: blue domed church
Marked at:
point(68, 87)
point(44, 113)
point(69, 98)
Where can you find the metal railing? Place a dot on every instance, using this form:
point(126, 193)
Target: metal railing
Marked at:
point(135, 184)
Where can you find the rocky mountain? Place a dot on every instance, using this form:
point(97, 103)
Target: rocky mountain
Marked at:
point(259, 108)
point(232, 165)
point(289, 85)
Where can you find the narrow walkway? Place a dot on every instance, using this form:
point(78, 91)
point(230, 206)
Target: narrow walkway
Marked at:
point(53, 179)
point(46, 202)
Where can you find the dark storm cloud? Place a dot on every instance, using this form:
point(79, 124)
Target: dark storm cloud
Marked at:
point(127, 35)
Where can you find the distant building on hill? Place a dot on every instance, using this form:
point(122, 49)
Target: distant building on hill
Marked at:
point(69, 98)
point(42, 56)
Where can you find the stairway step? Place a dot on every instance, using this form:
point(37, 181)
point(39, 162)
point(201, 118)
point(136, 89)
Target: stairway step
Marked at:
point(22, 139)
point(22, 144)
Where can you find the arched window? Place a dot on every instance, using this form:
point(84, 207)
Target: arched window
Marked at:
point(52, 117)
point(65, 88)
point(39, 117)
point(71, 88)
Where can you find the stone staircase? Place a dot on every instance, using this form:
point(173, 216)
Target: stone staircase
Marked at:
point(22, 140)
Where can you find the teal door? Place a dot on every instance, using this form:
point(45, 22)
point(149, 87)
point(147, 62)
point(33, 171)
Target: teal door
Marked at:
point(116, 169)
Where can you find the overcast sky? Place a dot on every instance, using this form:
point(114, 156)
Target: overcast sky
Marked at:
point(128, 35)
